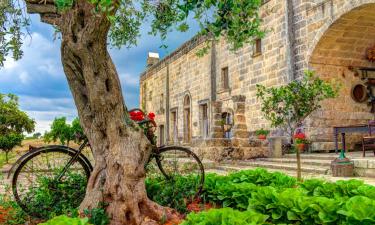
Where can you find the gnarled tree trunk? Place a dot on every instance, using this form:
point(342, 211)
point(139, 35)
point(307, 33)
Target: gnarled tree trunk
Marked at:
point(120, 151)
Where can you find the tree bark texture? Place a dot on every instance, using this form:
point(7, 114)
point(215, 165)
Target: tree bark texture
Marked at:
point(120, 151)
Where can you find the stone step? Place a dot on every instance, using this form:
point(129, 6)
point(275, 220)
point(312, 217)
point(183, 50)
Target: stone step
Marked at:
point(316, 156)
point(276, 165)
point(314, 162)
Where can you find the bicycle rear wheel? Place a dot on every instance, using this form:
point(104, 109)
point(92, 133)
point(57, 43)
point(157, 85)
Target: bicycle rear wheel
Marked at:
point(182, 176)
point(36, 189)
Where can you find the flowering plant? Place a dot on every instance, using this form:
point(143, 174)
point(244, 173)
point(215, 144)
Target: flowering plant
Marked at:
point(146, 122)
point(300, 138)
point(137, 116)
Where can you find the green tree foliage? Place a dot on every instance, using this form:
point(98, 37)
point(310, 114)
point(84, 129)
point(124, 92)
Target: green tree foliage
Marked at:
point(37, 135)
point(64, 132)
point(13, 123)
point(237, 20)
point(288, 106)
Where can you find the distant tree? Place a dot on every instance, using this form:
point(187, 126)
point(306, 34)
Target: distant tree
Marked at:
point(288, 106)
point(13, 123)
point(64, 132)
point(37, 135)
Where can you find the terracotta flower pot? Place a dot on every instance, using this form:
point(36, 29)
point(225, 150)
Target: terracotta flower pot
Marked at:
point(262, 137)
point(301, 147)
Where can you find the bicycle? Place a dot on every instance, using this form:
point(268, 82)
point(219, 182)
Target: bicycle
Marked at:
point(51, 167)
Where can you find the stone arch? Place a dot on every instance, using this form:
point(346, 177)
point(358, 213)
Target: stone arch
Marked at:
point(187, 116)
point(338, 53)
point(344, 9)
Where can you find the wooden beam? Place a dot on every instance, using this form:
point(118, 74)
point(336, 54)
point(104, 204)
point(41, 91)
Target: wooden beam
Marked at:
point(52, 2)
point(41, 8)
point(53, 19)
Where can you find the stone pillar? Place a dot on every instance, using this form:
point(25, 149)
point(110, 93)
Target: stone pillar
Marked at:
point(240, 127)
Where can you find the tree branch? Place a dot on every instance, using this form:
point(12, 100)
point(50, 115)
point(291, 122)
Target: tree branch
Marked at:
point(41, 9)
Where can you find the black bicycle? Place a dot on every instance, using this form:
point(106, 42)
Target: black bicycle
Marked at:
point(54, 168)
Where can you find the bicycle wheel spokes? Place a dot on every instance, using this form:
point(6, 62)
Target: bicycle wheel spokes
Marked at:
point(37, 190)
point(183, 174)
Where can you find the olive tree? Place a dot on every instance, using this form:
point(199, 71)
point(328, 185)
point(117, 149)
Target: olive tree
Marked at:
point(86, 28)
point(288, 106)
point(13, 123)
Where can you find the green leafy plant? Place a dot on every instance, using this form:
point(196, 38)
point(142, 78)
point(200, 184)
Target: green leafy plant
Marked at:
point(53, 198)
point(65, 220)
point(262, 132)
point(97, 216)
point(288, 106)
point(174, 194)
point(286, 201)
point(226, 216)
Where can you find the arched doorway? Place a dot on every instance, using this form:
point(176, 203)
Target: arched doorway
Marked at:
point(340, 56)
point(227, 124)
point(187, 119)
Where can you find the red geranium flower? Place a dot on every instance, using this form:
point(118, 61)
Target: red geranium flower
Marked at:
point(300, 136)
point(137, 116)
point(151, 116)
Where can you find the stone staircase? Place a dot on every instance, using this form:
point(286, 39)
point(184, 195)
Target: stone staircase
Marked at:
point(287, 165)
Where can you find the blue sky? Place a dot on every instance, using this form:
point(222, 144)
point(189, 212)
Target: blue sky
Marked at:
point(40, 83)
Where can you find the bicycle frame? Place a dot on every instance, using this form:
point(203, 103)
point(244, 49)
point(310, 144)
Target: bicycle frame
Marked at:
point(72, 160)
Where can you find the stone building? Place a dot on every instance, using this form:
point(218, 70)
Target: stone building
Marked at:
point(197, 99)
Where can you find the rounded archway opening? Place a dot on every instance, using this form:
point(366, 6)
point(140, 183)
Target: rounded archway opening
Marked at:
point(341, 55)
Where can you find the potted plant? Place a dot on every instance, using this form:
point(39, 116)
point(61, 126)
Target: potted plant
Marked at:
point(300, 141)
point(262, 134)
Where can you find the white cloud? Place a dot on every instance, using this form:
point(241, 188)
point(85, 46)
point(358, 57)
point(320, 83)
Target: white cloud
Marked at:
point(129, 79)
point(24, 77)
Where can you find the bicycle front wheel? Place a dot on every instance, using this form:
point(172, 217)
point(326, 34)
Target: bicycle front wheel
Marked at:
point(183, 174)
point(36, 188)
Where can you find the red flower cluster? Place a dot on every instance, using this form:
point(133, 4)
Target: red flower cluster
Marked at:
point(140, 116)
point(300, 136)
point(137, 115)
point(151, 116)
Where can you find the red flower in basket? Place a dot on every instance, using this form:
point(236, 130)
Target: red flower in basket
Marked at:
point(151, 116)
point(137, 116)
point(300, 136)
point(300, 141)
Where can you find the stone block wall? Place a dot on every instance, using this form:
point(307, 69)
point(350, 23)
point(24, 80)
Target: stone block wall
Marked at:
point(328, 36)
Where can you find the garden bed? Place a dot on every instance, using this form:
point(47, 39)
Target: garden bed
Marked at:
point(260, 197)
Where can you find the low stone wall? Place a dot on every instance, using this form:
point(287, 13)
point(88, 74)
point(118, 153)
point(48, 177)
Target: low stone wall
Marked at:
point(364, 167)
point(219, 149)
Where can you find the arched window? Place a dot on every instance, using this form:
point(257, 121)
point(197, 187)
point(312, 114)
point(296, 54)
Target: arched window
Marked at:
point(187, 119)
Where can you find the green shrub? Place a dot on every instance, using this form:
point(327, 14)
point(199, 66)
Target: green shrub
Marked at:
point(174, 194)
point(64, 220)
point(52, 198)
point(97, 216)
